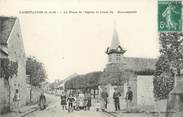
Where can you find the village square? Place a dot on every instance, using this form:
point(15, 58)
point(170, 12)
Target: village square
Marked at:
point(120, 62)
point(126, 86)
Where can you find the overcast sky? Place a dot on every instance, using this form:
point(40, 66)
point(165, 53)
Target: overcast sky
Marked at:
point(76, 43)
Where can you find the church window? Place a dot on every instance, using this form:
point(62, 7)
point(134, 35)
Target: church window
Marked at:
point(118, 59)
point(110, 58)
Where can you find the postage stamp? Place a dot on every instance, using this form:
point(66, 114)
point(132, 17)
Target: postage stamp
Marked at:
point(169, 16)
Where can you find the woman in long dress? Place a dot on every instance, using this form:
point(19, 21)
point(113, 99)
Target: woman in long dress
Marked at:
point(42, 101)
point(81, 101)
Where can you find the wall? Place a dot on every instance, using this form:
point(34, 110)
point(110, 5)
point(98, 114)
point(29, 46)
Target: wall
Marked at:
point(4, 91)
point(145, 94)
point(17, 53)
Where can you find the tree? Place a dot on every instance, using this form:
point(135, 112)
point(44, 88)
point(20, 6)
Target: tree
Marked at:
point(89, 80)
point(172, 48)
point(8, 69)
point(169, 63)
point(36, 70)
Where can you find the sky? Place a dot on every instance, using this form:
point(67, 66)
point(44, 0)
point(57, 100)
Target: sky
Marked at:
point(76, 42)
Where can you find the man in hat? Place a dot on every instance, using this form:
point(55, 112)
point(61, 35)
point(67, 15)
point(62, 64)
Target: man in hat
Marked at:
point(116, 96)
point(129, 98)
point(104, 96)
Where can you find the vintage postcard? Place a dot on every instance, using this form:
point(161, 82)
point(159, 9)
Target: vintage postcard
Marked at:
point(91, 58)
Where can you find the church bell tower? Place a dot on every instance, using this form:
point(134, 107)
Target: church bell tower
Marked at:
point(115, 53)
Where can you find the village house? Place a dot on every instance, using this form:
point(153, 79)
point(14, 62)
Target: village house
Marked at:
point(12, 49)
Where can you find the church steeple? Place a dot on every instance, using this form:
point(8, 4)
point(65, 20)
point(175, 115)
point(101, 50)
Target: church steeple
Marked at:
point(115, 46)
point(115, 51)
point(115, 40)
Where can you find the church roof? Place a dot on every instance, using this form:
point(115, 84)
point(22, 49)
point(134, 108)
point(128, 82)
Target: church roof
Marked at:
point(115, 46)
point(139, 64)
point(6, 25)
point(115, 78)
point(93, 79)
point(115, 43)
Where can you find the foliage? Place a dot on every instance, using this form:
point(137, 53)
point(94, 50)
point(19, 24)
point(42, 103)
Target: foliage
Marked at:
point(36, 70)
point(89, 80)
point(169, 62)
point(163, 84)
point(8, 68)
point(92, 80)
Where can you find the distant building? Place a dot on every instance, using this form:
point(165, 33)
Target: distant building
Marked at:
point(12, 48)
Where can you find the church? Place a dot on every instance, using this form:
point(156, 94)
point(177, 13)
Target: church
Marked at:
point(121, 72)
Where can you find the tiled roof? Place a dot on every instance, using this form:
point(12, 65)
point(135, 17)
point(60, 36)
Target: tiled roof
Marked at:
point(139, 64)
point(114, 78)
point(6, 25)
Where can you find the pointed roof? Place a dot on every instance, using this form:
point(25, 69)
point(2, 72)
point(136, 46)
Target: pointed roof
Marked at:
point(6, 25)
point(115, 46)
point(115, 43)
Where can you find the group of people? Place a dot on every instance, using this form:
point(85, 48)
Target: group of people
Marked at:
point(79, 100)
point(116, 97)
point(76, 101)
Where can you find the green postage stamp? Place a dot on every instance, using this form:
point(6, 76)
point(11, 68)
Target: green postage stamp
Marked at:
point(169, 16)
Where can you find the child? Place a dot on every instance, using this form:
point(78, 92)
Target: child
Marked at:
point(16, 100)
point(74, 103)
point(98, 105)
point(70, 101)
point(77, 103)
point(63, 100)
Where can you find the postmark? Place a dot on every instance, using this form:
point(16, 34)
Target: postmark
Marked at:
point(169, 16)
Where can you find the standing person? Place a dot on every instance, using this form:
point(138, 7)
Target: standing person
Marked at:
point(89, 101)
point(129, 98)
point(85, 101)
point(97, 105)
point(81, 100)
point(74, 103)
point(104, 96)
point(63, 100)
point(42, 101)
point(77, 101)
point(16, 100)
point(70, 100)
point(116, 96)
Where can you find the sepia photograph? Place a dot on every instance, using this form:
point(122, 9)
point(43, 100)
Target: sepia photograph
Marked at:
point(83, 58)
